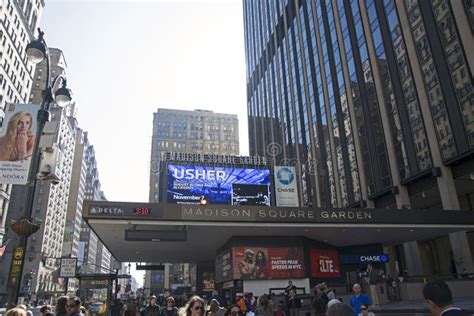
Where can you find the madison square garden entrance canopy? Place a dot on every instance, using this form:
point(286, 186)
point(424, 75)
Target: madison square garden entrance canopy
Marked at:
point(152, 232)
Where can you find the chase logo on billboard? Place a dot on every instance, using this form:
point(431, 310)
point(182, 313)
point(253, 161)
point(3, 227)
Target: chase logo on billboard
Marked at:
point(285, 176)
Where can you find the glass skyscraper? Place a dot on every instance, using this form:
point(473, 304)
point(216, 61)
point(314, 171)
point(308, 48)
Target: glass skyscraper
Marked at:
point(371, 100)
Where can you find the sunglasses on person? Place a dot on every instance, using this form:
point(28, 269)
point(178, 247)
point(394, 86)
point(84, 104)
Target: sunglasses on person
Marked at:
point(200, 307)
point(234, 312)
point(363, 309)
point(70, 305)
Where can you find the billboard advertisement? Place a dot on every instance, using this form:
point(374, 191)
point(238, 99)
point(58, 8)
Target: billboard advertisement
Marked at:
point(324, 263)
point(17, 142)
point(208, 281)
point(218, 185)
point(286, 190)
point(223, 267)
point(250, 263)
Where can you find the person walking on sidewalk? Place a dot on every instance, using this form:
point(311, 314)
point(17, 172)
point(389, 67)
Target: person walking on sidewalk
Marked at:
point(358, 298)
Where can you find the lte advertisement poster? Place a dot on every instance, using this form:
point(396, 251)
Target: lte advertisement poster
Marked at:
point(218, 185)
point(17, 142)
point(286, 190)
point(324, 263)
point(251, 263)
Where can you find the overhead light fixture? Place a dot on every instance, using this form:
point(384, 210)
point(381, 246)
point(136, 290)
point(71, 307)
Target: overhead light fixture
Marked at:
point(202, 200)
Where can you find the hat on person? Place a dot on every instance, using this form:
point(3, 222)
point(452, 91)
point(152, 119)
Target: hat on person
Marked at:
point(333, 301)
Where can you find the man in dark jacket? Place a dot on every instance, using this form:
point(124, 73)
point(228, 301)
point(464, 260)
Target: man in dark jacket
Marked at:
point(152, 308)
point(320, 301)
point(440, 300)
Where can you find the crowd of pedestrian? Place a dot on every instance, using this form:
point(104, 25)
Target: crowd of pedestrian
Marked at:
point(65, 306)
point(436, 293)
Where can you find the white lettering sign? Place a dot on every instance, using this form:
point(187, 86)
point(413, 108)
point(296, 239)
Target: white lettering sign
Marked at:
point(68, 268)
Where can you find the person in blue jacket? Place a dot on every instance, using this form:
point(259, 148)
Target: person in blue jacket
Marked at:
point(358, 298)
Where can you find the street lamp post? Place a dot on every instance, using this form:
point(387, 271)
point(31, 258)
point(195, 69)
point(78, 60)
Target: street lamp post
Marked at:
point(37, 51)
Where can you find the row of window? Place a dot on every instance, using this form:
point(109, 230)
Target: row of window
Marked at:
point(317, 72)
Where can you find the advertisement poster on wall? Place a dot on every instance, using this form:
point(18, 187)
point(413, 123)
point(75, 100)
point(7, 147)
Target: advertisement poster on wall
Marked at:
point(250, 263)
point(324, 263)
point(223, 267)
point(17, 142)
point(286, 190)
point(208, 281)
point(218, 185)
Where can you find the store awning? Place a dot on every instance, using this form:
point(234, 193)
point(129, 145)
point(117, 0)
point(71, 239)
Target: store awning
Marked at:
point(144, 232)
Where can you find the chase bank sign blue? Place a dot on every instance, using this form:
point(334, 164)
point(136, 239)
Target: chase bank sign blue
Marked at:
point(366, 258)
point(285, 176)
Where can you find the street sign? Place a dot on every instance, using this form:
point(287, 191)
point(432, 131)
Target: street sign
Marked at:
point(26, 289)
point(68, 268)
point(154, 267)
point(124, 276)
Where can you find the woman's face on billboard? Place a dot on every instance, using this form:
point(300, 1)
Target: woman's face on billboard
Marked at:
point(24, 124)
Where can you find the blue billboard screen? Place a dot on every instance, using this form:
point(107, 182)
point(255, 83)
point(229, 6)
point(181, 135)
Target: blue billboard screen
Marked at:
point(219, 185)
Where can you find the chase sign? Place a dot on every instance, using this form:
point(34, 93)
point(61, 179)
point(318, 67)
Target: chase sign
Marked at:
point(285, 176)
point(286, 189)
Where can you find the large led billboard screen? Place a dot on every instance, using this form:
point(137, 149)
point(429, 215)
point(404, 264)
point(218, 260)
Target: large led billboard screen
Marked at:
point(219, 185)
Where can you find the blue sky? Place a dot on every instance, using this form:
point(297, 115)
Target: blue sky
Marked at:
point(127, 58)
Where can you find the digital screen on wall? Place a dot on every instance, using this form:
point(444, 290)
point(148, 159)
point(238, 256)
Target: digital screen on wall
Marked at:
point(324, 263)
point(250, 263)
point(218, 185)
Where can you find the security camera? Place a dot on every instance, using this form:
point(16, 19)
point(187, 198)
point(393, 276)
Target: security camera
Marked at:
point(50, 159)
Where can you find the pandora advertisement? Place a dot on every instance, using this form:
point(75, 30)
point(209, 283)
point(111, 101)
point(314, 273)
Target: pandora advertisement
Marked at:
point(218, 185)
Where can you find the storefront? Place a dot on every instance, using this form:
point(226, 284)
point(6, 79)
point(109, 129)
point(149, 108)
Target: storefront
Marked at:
point(305, 245)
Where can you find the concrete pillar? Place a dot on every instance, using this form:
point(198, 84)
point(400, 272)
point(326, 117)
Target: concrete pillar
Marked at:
point(167, 276)
point(464, 29)
point(402, 198)
point(328, 115)
point(413, 262)
point(352, 114)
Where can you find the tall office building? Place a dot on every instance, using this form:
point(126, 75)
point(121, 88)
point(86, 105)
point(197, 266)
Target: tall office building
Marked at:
point(373, 102)
point(198, 131)
point(19, 22)
point(93, 256)
point(72, 229)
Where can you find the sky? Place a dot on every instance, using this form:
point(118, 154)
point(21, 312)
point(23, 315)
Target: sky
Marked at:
point(127, 58)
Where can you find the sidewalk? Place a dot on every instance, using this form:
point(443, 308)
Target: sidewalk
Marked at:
point(419, 306)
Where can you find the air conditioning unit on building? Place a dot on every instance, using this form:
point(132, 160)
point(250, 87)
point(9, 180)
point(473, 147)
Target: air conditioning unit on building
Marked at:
point(49, 170)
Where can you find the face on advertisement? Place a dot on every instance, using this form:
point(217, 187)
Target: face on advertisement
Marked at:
point(261, 258)
point(24, 124)
point(249, 256)
point(18, 141)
